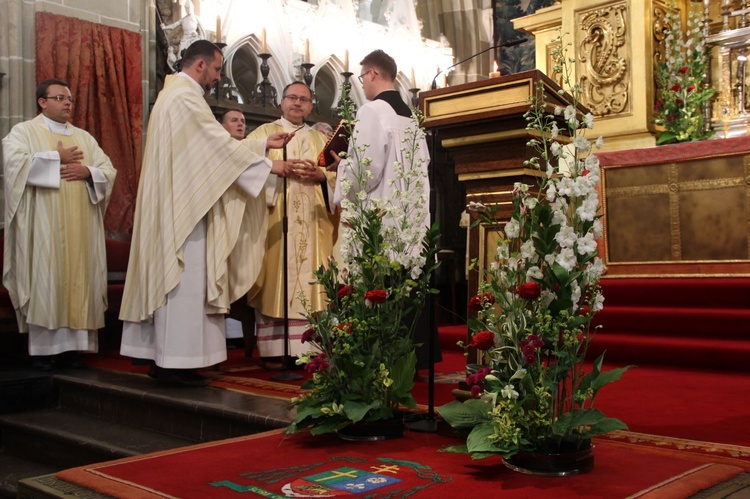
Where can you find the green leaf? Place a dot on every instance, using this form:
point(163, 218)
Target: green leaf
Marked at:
point(356, 410)
point(327, 426)
point(466, 414)
point(479, 438)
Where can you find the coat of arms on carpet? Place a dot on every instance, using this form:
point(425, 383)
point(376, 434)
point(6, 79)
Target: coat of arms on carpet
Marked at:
point(340, 476)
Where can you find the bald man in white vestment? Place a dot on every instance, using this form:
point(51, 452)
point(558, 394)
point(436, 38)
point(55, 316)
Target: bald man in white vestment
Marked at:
point(57, 186)
point(199, 228)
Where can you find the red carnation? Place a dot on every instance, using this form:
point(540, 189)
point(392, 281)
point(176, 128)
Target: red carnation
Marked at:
point(308, 335)
point(344, 291)
point(483, 340)
point(691, 88)
point(659, 104)
point(529, 291)
point(476, 391)
point(376, 296)
point(676, 87)
point(683, 70)
point(477, 301)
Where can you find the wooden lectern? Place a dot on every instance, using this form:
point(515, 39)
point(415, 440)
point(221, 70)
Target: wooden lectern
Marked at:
point(482, 124)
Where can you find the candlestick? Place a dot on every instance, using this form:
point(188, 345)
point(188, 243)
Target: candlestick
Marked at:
point(218, 29)
point(307, 50)
point(346, 61)
point(264, 47)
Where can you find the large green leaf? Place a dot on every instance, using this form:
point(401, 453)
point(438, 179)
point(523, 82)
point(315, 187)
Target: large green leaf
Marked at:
point(479, 439)
point(356, 410)
point(465, 415)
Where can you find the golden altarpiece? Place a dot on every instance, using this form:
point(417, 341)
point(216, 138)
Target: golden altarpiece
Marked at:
point(676, 210)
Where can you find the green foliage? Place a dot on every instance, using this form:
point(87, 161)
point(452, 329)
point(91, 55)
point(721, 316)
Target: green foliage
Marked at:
point(362, 356)
point(538, 297)
point(682, 92)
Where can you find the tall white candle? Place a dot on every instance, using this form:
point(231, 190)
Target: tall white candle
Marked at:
point(264, 47)
point(346, 61)
point(307, 50)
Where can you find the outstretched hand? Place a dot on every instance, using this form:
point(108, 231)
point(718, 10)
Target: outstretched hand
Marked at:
point(277, 140)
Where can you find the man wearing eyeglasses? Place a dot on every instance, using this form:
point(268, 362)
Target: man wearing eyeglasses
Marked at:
point(198, 231)
point(57, 186)
point(381, 130)
point(309, 235)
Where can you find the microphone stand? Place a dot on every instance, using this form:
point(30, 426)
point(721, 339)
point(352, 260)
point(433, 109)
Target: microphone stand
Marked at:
point(285, 375)
point(428, 423)
point(511, 43)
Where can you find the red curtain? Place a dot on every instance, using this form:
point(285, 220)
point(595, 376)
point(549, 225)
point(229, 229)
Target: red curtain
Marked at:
point(103, 67)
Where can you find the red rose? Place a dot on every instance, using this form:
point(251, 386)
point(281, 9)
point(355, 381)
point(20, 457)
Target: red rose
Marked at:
point(676, 87)
point(659, 104)
point(683, 70)
point(476, 391)
point(376, 296)
point(670, 118)
point(477, 301)
point(345, 327)
point(678, 101)
point(483, 340)
point(691, 88)
point(529, 291)
point(344, 291)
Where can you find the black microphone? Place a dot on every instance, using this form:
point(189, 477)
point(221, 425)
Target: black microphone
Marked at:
point(511, 43)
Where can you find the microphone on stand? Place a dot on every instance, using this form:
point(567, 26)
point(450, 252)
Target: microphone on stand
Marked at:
point(511, 43)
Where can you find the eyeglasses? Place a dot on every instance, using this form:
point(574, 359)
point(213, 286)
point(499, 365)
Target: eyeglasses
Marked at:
point(295, 98)
point(362, 76)
point(60, 98)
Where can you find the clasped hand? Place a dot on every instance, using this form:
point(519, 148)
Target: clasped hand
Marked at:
point(305, 170)
point(70, 160)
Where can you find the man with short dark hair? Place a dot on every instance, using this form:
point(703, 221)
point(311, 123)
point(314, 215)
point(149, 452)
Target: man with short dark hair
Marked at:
point(309, 237)
point(382, 127)
point(57, 187)
point(199, 228)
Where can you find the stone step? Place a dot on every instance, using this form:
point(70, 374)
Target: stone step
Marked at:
point(102, 415)
point(16, 468)
point(23, 389)
point(64, 439)
point(201, 414)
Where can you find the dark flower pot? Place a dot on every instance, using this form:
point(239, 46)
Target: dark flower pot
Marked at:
point(365, 431)
point(569, 460)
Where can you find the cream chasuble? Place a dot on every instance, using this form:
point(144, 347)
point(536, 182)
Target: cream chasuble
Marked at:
point(309, 243)
point(198, 233)
point(55, 266)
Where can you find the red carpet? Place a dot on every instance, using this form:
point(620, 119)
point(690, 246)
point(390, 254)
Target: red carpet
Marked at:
point(269, 464)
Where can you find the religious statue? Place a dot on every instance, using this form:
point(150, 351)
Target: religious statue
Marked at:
point(191, 31)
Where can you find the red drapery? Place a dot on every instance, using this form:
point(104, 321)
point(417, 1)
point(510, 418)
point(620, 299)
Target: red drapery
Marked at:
point(102, 64)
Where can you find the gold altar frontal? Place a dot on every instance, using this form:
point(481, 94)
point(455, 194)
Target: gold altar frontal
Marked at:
point(678, 210)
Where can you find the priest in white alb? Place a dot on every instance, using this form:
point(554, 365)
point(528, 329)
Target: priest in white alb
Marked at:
point(57, 187)
point(199, 228)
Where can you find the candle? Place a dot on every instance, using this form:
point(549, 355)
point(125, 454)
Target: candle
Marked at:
point(346, 61)
point(495, 73)
point(264, 47)
point(307, 50)
point(413, 80)
point(218, 29)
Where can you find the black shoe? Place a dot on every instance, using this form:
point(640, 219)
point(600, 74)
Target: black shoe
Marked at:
point(41, 362)
point(68, 360)
point(180, 377)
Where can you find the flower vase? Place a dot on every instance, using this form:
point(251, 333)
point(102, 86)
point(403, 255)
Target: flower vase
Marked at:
point(366, 431)
point(567, 461)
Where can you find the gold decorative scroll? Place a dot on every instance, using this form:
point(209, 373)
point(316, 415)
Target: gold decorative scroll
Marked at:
point(604, 59)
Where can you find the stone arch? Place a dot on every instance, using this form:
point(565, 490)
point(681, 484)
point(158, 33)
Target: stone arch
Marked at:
point(242, 67)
